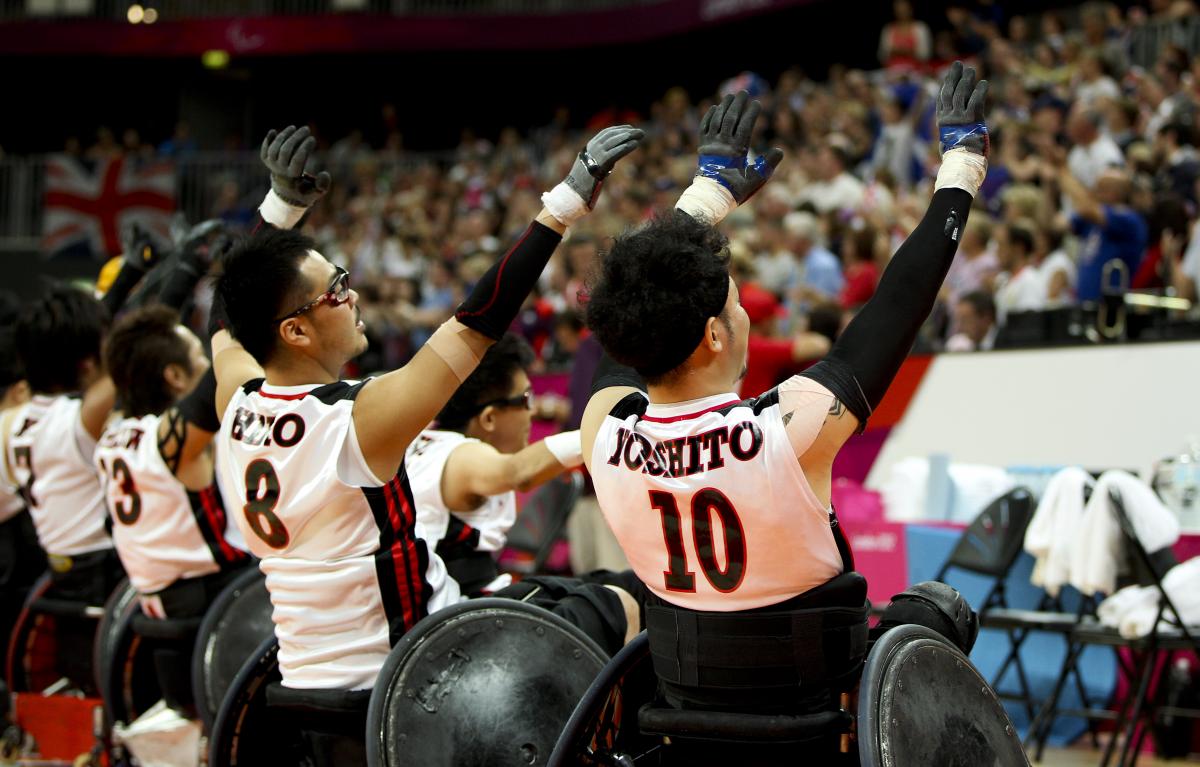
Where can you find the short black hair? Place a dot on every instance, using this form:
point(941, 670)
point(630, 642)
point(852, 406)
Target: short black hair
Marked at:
point(57, 333)
point(259, 281)
point(141, 345)
point(491, 380)
point(1020, 235)
point(655, 291)
point(981, 301)
point(11, 369)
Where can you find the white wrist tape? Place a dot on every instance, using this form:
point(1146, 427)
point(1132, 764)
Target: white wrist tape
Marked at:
point(566, 447)
point(447, 342)
point(564, 204)
point(706, 199)
point(280, 214)
point(961, 169)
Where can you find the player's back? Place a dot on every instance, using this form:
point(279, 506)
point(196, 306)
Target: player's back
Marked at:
point(162, 530)
point(50, 458)
point(346, 572)
point(710, 504)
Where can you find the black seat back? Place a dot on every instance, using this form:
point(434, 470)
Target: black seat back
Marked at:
point(993, 540)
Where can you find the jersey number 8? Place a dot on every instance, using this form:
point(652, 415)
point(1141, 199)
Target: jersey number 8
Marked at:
point(262, 493)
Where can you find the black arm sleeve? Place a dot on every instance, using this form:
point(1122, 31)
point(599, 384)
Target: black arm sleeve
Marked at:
point(180, 284)
point(609, 372)
point(497, 297)
point(865, 359)
point(199, 406)
point(124, 283)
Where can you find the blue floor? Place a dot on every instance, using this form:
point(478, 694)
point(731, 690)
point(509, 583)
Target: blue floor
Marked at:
point(1042, 653)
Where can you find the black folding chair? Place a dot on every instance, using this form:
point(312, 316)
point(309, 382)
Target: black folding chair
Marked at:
point(989, 546)
point(542, 521)
point(1167, 636)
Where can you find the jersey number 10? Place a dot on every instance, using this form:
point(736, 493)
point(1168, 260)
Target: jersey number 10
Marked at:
point(705, 504)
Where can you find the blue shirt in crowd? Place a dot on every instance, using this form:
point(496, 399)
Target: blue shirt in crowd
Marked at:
point(1123, 237)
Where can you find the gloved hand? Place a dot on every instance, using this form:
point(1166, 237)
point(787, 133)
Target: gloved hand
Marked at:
point(724, 143)
point(288, 154)
point(143, 249)
point(960, 117)
point(198, 246)
point(596, 161)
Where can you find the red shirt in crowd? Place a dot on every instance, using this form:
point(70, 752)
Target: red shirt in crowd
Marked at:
point(859, 285)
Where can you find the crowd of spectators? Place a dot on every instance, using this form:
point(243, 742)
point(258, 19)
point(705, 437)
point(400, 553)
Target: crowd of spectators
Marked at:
point(1092, 187)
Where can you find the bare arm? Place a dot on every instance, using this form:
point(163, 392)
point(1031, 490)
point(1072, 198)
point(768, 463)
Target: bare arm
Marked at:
point(391, 410)
point(809, 346)
point(477, 470)
point(185, 448)
point(97, 405)
point(233, 366)
point(599, 406)
point(1081, 199)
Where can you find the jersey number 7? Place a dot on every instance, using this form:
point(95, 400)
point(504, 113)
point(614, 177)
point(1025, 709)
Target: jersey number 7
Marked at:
point(705, 504)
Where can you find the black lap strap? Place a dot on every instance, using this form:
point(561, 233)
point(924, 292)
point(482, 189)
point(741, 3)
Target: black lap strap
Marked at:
point(799, 648)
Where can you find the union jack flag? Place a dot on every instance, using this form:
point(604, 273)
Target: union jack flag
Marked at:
point(92, 204)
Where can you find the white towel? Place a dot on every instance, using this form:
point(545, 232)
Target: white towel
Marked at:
point(1132, 609)
point(1054, 526)
point(1096, 553)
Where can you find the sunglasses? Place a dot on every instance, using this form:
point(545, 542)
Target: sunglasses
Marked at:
point(524, 399)
point(337, 294)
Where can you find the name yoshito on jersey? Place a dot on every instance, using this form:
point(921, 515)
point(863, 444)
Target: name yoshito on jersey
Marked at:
point(709, 502)
point(686, 456)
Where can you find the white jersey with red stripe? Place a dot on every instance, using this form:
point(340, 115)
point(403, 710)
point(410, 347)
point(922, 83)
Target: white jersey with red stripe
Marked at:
point(484, 528)
point(163, 531)
point(426, 461)
point(49, 454)
point(709, 502)
point(345, 569)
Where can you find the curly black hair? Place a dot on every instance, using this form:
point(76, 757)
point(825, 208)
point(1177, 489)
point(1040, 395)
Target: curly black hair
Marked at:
point(490, 381)
point(55, 334)
point(655, 291)
point(141, 345)
point(259, 280)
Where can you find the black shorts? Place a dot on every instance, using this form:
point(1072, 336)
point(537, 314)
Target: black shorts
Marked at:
point(585, 602)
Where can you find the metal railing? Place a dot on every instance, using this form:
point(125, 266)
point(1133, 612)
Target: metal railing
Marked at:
point(1148, 40)
point(193, 9)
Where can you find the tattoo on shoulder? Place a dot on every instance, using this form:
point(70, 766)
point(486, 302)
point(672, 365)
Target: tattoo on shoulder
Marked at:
point(170, 446)
point(787, 417)
point(836, 408)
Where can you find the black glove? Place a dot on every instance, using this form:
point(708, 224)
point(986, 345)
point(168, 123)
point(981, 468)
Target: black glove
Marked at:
point(288, 154)
point(143, 249)
point(198, 245)
point(596, 161)
point(724, 143)
point(960, 111)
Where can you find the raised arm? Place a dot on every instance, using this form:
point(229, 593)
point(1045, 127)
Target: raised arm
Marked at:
point(724, 179)
point(477, 470)
point(289, 156)
point(391, 410)
point(867, 356)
